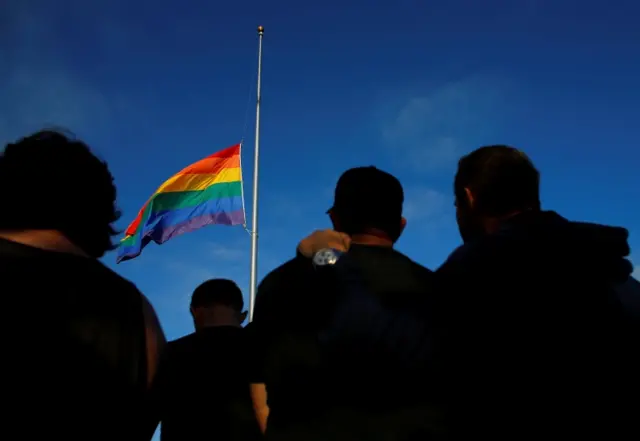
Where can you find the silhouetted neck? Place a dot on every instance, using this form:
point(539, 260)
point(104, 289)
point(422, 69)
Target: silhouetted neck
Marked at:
point(217, 324)
point(379, 240)
point(50, 240)
point(492, 225)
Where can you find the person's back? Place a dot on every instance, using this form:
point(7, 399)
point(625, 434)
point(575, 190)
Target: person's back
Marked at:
point(358, 359)
point(317, 387)
point(81, 343)
point(203, 387)
point(75, 355)
point(539, 340)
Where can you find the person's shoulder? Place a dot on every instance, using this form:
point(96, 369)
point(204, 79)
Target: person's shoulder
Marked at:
point(86, 271)
point(459, 255)
point(274, 288)
point(409, 263)
point(90, 273)
point(472, 256)
point(181, 341)
point(110, 280)
point(287, 277)
point(415, 265)
point(422, 275)
point(629, 295)
point(283, 288)
point(181, 344)
point(279, 274)
point(117, 278)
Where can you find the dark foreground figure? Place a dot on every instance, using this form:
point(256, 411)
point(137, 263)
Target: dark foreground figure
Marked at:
point(316, 387)
point(539, 342)
point(80, 343)
point(537, 331)
point(203, 388)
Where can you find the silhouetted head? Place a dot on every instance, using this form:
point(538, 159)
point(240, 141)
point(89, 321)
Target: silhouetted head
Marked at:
point(217, 302)
point(50, 181)
point(493, 183)
point(368, 203)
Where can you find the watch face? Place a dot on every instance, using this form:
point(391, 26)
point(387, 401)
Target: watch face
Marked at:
point(325, 257)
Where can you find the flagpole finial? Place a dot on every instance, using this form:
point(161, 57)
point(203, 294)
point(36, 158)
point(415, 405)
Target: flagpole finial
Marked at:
point(260, 30)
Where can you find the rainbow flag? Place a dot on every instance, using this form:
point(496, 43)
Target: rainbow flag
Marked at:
point(207, 192)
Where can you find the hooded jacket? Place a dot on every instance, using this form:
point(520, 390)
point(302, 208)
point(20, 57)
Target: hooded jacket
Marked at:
point(533, 331)
point(536, 336)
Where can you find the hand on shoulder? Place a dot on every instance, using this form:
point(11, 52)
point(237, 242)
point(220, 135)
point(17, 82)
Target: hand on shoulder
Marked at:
point(322, 239)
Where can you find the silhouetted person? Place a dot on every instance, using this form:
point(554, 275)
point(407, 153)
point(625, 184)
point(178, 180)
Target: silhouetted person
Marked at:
point(307, 381)
point(539, 342)
point(203, 386)
point(81, 344)
point(537, 318)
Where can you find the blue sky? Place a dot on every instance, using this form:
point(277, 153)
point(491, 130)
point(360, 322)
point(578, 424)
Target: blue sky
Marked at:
point(407, 86)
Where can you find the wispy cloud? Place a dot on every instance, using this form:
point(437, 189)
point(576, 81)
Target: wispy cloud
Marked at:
point(40, 87)
point(235, 252)
point(431, 129)
point(36, 98)
point(209, 260)
point(426, 207)
point(191, 273)
point(205, 260)
point(176, 278)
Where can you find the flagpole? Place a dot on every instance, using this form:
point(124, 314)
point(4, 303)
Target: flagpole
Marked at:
point(254, 214)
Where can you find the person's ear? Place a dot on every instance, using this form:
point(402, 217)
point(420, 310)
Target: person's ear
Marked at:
point(192, 310)
point(470, 199)
point(243, 316)
point(403, 225)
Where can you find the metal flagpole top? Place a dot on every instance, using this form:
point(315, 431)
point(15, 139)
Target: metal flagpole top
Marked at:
point(260, 30)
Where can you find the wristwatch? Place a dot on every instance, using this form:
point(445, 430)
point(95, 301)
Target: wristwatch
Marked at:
point(326, 257)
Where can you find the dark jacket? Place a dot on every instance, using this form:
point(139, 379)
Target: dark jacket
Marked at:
point(537, 339)
point(78, 344)
point(534, 331)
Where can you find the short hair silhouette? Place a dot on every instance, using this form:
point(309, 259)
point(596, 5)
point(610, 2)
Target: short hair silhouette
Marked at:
point(502, 179)
point(367, 197)
point(51, 181)
point(218, 292)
